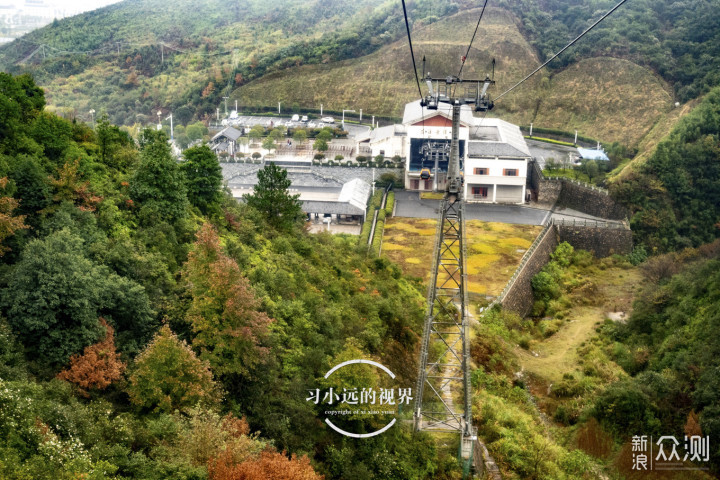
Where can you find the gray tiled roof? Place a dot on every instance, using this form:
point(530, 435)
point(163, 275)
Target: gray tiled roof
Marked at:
point(229, 133)
point(494, 149)
point(246, 174)
point(339, 208)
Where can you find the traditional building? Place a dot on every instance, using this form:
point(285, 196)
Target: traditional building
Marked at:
point(493, 153)
point(226, 141)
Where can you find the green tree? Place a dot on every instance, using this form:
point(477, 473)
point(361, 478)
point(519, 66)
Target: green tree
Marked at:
point(56, 295)
point(167, 376)
point(256, 133)
point(325, 134)
point(229, 330)
point(271, 197)
point(21, 101)
point(300, 135)
point(268, 143)
point(203, 177)
point(31, 187)
point(111, 140)
point(157, 185)
point(277, 133)
point(196, 131)
point(320, 145)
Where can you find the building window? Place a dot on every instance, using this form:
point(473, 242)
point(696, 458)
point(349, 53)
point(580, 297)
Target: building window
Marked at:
point(479, 192)
point(510, 172)
point(481, 171)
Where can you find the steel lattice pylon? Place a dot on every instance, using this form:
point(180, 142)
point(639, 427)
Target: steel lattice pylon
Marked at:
point(446, 326)
point(445, 349)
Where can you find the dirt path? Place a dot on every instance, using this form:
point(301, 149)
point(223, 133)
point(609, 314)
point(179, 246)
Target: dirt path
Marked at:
point(556, 355)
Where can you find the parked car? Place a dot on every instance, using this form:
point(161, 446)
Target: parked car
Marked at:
point(304, 118)
point(328, 119)
point(295, 118)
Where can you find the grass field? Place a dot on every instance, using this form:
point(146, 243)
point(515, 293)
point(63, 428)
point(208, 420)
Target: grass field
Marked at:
point(558, 354)
point(605, 98)
point(494, 250)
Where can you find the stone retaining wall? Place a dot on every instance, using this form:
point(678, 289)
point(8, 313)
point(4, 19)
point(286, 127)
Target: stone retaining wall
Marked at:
point(601, 241)
point(594, 202)
point(519, 298)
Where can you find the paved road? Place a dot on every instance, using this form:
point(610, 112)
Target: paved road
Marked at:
point(409, 204)
point(542, 151)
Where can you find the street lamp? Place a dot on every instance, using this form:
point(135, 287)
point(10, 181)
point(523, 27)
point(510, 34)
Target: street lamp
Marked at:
point(343, 120)
point(225, 98)
point(92, 117)
point(279, 108)
point(159, 125)
point(171, 126)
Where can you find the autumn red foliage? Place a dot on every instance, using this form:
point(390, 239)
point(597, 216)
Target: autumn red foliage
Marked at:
point(98, 366)
point(269, 465)
point(229, 328)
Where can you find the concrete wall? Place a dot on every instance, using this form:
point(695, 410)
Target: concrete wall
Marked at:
point(602, 242)
point(520, 296)
point(591, 201)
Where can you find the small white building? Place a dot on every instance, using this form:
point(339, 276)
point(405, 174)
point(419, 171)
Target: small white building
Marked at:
point(386, 141)
point(496, 164)
point(493, 154)
point(227, 140)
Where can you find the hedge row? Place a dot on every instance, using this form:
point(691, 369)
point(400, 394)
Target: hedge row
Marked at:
point(550, 140)
point(390, 204)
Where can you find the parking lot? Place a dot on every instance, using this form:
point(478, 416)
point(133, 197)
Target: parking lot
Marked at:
point(353, 130)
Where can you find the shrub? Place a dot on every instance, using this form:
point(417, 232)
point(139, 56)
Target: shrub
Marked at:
point(167, 376)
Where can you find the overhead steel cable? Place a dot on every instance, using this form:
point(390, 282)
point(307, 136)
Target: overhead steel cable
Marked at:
point(464, 58)
point(561, 51)
point(412, 53)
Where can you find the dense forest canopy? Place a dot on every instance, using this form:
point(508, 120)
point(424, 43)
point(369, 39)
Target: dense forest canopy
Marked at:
point(149, 322)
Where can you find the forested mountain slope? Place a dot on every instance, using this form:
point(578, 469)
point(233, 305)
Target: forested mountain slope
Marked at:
point(113, 59)
point(149, 322)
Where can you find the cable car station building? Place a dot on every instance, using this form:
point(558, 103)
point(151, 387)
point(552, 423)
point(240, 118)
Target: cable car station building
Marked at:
point(493, 153)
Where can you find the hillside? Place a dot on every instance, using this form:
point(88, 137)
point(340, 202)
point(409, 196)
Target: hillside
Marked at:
point(135, 57)
point(582, 97)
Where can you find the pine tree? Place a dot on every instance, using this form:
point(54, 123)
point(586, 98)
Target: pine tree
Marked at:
point(203, 177)
point(271, 197)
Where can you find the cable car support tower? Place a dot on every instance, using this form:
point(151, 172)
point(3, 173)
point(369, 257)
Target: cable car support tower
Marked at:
point(444, 355)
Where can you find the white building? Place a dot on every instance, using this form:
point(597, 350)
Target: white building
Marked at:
point(493, 153)
point(496, 164)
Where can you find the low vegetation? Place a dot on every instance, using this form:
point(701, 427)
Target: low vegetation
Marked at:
point(494, 250)
point(560, 395)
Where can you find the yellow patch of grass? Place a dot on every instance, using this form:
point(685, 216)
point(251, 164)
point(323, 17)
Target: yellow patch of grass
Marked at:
point(393, 246)
point(485, 248)
point(519, 242)
point(491, 259)
point(431, 195)
point(478, 263)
